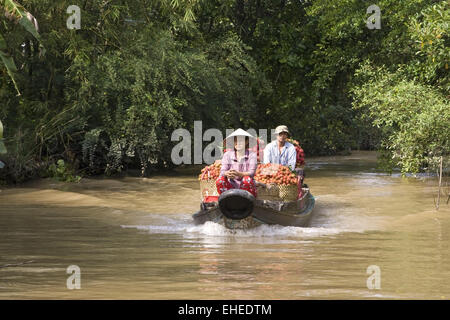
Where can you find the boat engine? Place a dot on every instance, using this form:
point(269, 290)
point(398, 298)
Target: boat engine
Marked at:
point(236, 204)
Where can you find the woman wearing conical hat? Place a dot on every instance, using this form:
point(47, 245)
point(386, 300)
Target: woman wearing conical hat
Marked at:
point(238, 164)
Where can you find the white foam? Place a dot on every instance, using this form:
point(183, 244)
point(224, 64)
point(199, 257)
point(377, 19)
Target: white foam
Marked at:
point(214, 229)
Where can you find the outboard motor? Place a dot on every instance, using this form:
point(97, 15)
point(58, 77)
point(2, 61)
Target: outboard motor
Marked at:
point(236, 204)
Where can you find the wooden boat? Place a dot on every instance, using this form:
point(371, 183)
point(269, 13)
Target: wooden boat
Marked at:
point(238, 209)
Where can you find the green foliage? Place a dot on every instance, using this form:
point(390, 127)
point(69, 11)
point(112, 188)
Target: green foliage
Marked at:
point(106, 98)
point(62, 172)
point(16, 12)
point(414, 118)
point(8, 61)
point(139, 95)
point(20, 161)
point(109, 95)
point(409, 102)
point(92, 148)
point(430, 32)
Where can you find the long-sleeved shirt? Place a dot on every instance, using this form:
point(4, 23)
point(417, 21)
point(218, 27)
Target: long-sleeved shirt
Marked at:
point(287, 156)
point(248, 163)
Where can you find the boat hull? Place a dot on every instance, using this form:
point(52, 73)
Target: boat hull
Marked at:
point(294, 213)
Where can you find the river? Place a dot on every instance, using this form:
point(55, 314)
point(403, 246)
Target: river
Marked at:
point(133, 238)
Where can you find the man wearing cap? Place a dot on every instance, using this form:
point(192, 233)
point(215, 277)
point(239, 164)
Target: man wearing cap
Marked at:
point(238, 164)
point(280, 151)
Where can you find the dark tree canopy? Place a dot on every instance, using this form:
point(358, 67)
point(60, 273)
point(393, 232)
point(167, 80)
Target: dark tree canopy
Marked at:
point(107, 97)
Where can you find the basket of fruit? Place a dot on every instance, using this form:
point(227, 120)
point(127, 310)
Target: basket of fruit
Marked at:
point(208, 177)
point(276, 182)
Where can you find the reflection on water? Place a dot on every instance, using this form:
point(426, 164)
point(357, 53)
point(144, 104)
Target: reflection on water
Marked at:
point(134, 238)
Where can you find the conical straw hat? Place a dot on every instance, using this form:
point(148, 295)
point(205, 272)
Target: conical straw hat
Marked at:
point(240, 132)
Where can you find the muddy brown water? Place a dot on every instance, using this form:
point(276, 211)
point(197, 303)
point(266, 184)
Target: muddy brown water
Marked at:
point(134, 238)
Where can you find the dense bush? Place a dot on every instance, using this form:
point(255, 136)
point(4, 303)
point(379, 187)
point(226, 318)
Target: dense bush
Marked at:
point(414, 118)
point(409, 102)
point(107, 97)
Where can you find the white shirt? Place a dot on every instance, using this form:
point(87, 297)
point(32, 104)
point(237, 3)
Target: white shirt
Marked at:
point(287, 156)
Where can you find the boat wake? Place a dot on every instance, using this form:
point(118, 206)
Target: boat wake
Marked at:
point(329, 220)
point(184, 226)
point(277, 231)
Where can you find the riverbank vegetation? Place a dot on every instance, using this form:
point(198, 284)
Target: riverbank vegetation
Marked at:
point(106, 98)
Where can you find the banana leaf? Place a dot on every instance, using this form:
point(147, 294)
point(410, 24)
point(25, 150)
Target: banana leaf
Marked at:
point(17, 12)
point(8, 61)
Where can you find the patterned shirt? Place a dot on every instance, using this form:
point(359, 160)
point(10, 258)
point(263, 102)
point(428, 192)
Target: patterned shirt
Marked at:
point(248, 163)
point(287, 156)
